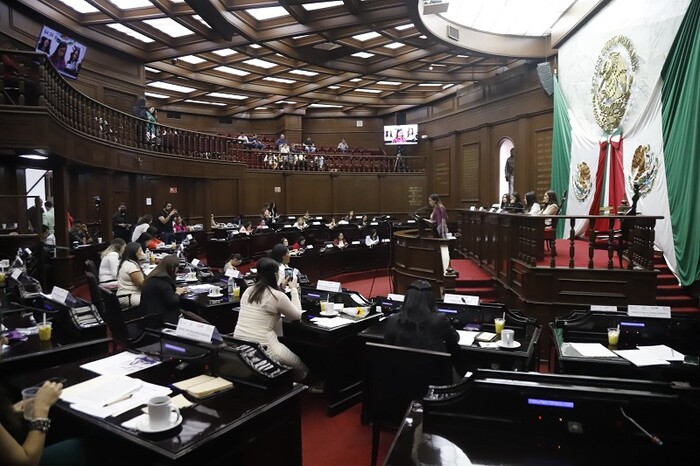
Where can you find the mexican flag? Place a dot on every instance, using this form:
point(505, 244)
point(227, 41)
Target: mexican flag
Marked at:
point(656, 144)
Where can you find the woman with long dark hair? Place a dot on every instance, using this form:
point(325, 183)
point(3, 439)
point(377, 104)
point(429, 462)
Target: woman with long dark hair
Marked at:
point(551, 206)
point(160, 295)
point(129, 276)
point(58, 57)
point(516, 203)
point(532, 207)
point(439, 215)
point(262, 307)
point(418, 325)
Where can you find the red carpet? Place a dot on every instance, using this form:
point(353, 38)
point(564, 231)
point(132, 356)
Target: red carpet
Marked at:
point(337, 441)
point(600, 256)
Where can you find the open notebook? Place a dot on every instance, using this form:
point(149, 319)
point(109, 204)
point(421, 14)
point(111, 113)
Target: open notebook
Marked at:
point(203, 385)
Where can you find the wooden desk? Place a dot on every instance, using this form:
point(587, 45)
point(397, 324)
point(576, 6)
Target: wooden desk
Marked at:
point(220, 312)
point(239, 426)
point(417, 257)
point(679, 333)
point(34, 354)
point(547, 419)
point(333, 353)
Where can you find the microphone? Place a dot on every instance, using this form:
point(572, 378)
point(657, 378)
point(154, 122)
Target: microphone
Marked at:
point(654, 439)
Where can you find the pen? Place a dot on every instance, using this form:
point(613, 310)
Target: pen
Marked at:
point(121, 398)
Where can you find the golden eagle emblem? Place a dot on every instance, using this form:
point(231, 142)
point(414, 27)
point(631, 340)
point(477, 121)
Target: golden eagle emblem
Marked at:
point(582, 181)
point(643, 171)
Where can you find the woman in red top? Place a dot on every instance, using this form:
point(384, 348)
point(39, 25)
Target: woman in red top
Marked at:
point(340, 241)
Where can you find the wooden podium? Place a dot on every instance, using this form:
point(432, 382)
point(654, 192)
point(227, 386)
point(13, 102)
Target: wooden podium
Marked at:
point(418, 255)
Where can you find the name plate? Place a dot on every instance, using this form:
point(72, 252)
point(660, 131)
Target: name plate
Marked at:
point(310, 246)
point(355, 243)
point(195, 262)
point(59, 294)
point(16, 273)
point(197, 331)
point(604, 308)
point(661, 312)
point(469, 300)
point(396, 297)
point(231, 273)
point(189, 237)
point(315, 223)
point(326, 285)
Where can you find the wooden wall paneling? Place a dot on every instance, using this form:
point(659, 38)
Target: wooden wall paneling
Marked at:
point(310, 191)
point(327, 132)
point(491, 172)
point(355, 192)
point(543, 161)
point(471, 174)
point(441, 171)
point(225, 197)
point(121, 100)
point(402, 193)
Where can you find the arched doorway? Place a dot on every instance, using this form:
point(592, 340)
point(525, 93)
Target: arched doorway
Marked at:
point(504, 147)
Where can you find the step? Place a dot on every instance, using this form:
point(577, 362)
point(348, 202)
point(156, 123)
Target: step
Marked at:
point(474, 283)
point(689, 310)
point(666, 279)
point(676, 301)
point(669, 290)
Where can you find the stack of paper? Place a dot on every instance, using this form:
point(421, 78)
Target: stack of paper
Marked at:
point(592, 350)
point(641, 358)
point(108, 395)
point(121, 364)
point(333, 322)
point(466, 337)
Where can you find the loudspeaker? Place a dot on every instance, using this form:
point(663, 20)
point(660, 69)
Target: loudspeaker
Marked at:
point(545, 74)
point(401, 118)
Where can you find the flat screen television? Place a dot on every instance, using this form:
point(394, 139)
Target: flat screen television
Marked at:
point(399, 135)
point(65, 53)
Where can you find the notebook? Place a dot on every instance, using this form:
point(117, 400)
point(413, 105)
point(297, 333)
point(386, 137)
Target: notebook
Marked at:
point(203, 385)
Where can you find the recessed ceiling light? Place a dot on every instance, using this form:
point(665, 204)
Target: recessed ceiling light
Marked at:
point(260, 108)
point(255, 46)
point(355, 80)
point(130, 32)
point(404, 27)
point(325, 106)
point(394, 45)
point(156, 96)
point(429, 84)
point(363, 55)
point(388, 83)
point(224, 52)
point(320, 5)
point(260, 63)
point(220, 104)
point(169, 27)
point(151, 70)
point(286, 102)
point(261, 14)
point(234, 71)
point(131, 4)
point(34, 157)
point(333, 87)
point(171, 87)
point(223, 95)
point(192, 59)
point(422, 37)
point(81, 6)
point(201, 20)
point(371, 91)
point(447, 86)
point(279, 80)
point(303, 72)
point(367, 36)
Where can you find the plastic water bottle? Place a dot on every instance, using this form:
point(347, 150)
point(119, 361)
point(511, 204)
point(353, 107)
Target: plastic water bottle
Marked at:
point(231, 286)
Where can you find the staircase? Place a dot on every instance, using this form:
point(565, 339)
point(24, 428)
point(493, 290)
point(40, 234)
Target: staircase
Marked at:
point(670, 293)
point(474, 281)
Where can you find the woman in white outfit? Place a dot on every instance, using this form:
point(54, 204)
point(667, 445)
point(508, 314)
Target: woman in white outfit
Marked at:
point(262, 308)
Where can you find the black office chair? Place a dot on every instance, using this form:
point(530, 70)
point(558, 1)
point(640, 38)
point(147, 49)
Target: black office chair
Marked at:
point(130, 332)
point(397, 376)
point(92, 268)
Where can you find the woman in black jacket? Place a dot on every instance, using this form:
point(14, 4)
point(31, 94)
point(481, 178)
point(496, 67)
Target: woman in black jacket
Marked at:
point(418, 325)
point(159, 294)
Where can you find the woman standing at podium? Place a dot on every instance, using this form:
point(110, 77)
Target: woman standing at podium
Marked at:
point(262, 308)
point(439, 215)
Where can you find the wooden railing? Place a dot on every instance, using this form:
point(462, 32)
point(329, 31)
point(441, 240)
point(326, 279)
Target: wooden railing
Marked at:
point(28, 79)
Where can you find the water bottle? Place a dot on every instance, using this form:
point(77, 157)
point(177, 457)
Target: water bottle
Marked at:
point(231, 285)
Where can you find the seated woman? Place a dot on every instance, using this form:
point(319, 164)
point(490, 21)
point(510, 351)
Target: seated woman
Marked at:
point(154, 242)
point(262, 307)
point(532, 207)
point(109, 265)
point(505, 201)
point(130, 277)
point(333, 224)
point(300, 245)
point(261, 226)
point(551, 206)
point(19, 447)
point(340, 241)
point(233, 262)
point(301, 223)
point(516, 204)
point(372, 239)
point(418, 325)
point(247, 228)
point(364, 222)
point(141, 227)
point(179, 225)
point(307, 216)
point(159, 294)
point(280, 254)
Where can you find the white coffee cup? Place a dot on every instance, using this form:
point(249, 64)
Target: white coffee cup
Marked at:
point(507, 337)
point(159, 412)
point(99, 239)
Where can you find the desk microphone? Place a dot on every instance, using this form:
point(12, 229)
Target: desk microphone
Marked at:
point(654, 439)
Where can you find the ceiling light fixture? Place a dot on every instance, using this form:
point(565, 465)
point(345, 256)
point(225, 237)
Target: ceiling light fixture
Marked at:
point(34, 157)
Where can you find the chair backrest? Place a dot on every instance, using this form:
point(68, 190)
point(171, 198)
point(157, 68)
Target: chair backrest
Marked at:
point(95, 296)
point(399, 375)
point(114, 318)
point(92, 268)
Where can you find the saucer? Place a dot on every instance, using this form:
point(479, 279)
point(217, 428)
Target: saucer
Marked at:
point(191, 280)
point(328, 313)
point(214, 296)
point(516, 344)
point(143, 425)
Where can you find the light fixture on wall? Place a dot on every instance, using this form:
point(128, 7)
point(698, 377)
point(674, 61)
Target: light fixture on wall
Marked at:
point(36, 154)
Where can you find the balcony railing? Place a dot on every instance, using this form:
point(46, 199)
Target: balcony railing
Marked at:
point(28, 79)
